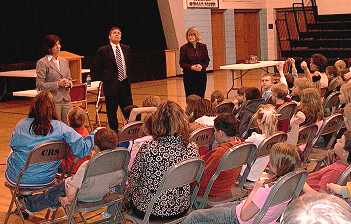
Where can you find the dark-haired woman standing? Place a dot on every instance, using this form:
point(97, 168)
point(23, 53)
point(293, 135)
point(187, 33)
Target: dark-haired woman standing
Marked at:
point(53, 74)
point(41, 126)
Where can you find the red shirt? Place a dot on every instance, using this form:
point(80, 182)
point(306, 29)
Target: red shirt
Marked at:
point(329, 174)
point(72, 163)
point(225, 180)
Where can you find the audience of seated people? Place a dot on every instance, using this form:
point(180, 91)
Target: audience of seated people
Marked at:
point(167, 143)
point(283, 159)
point(317, 181)
point(64, 193)
point(170, 145)
point(226, 136)
point(41, 126)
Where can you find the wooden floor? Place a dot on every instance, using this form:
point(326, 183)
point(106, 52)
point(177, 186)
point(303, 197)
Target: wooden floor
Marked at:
point(11, 111)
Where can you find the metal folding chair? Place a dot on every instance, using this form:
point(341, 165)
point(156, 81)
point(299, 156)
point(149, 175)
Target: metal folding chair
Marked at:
point(225, 107)
point(344, 177)
point(331, 126)
point(130, 131)
point(331, 103)
point(186, 172)
point(203, 137)
point(251, 127)
point(286, 111)
point(43, 153)
point(287, 188)
point(306, 137)
point(233, 158)
point(79, 98)
point(108, 161)
point(140, 110)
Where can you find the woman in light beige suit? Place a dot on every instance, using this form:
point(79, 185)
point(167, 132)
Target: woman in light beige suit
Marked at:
point(53, 74)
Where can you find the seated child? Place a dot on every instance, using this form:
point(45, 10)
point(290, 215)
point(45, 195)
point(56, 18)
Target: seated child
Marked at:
point(282, 159)
point(76, 120)
point(226, 132)
point(64, 193)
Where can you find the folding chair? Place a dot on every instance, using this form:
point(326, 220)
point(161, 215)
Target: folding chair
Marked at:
point(140, 110)
point(251, 127)
point(264, 149)
point(306, 137)
point(109, 161)
point(287, 188)
point(286, 111)
point(130, 131)
point(43, 153)
point(203, 137)
point(78, 95)
point(331, 103)
point(331, 126)
point(344, 177)
point(186, 172)
point(225, 107)
point(100, 101)
point(233, 158)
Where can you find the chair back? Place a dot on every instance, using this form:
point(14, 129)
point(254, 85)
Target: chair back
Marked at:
point(186, 172)
point(108, 161)
point(140, 110)
point(203, 137)
point(265, 146)
point(105, 162)
point(287, 110)
point(233, 158)
point(130, 131)
point(78, 93)
point(287, 188)
point(252, 126)
point(344, 177)
point(225, 107)
point(331, 125)
point(306, 136)
point(45, 153)
point(332, 102)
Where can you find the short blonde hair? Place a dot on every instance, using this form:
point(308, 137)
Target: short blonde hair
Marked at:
point(76, 117)
point(317, 208)
point(193, 31)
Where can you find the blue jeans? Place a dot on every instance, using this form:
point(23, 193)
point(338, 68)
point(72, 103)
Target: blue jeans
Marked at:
point(49, 199)
point(221, 214)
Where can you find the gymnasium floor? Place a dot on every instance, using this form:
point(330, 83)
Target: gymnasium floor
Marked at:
point(11, 111)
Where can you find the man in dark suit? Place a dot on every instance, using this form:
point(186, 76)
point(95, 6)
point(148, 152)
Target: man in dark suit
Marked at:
point(112, 68)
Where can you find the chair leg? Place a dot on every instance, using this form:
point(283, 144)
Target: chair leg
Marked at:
point(19, 210)
point(9, 211)
point(90, 126)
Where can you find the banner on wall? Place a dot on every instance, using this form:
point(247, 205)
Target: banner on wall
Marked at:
point(202, 4)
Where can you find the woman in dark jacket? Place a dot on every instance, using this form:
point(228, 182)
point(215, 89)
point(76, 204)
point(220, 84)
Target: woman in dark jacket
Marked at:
point(194, 61)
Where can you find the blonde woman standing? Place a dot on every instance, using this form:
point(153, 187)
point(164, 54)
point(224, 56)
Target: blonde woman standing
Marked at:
point(194, 61)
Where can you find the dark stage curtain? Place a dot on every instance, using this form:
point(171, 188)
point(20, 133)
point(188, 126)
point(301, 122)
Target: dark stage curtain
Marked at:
point(83, 26)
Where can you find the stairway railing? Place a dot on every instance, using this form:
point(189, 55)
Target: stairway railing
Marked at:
point(283, 32)
point(305, 13)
